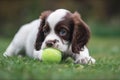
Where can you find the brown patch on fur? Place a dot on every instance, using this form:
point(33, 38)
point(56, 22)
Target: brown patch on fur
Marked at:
point(67, 24)
point(40, 35)
point(81, 33)
point(78, 31)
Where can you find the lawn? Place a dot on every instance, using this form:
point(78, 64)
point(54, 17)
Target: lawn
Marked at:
point(105, 50)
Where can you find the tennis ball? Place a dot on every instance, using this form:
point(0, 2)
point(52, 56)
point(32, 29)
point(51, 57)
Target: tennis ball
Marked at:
point(51, 55)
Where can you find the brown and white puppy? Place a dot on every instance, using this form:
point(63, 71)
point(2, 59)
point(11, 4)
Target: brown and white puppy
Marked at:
point(59, 29)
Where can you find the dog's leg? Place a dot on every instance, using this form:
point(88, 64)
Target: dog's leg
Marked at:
point(15, 46)
point(12, 49)
point(18, 42)
point(37, 54)
point(84, 58)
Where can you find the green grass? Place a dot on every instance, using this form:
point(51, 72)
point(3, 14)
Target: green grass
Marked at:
point(105, 50)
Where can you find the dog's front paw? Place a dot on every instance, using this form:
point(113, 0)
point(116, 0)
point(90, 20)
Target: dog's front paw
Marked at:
point(6, 54)
point(85, 60)
point(38, 54)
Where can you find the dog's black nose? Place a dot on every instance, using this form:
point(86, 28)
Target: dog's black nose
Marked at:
point(50, 43)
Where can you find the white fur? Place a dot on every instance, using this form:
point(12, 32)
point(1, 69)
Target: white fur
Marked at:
point(84, 57)
point(25, 39)
point(52, 20)
point(56, 17)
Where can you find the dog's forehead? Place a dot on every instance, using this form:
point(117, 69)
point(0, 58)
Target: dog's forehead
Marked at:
point(56, 17)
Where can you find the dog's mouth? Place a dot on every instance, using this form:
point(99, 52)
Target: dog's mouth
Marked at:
point(53, 46)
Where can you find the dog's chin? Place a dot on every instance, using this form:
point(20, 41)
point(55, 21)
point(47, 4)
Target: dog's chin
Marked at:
point(62, 49)
point(54, 48)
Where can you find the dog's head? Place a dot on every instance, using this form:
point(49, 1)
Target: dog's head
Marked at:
point(61, 29)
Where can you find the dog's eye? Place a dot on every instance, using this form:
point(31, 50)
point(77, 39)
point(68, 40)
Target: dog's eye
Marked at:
point(63, 32)
point(45, 31)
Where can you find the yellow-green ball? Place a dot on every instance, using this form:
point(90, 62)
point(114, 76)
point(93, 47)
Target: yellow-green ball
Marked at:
point(51, 55)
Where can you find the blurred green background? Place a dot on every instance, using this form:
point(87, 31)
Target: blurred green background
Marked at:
point(103, 16)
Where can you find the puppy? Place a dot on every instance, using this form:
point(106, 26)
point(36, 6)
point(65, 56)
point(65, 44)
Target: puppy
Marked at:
point(59, 29)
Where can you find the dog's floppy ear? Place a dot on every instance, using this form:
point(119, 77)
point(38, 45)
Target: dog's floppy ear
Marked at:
point(81, 33)
point(40, 36)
